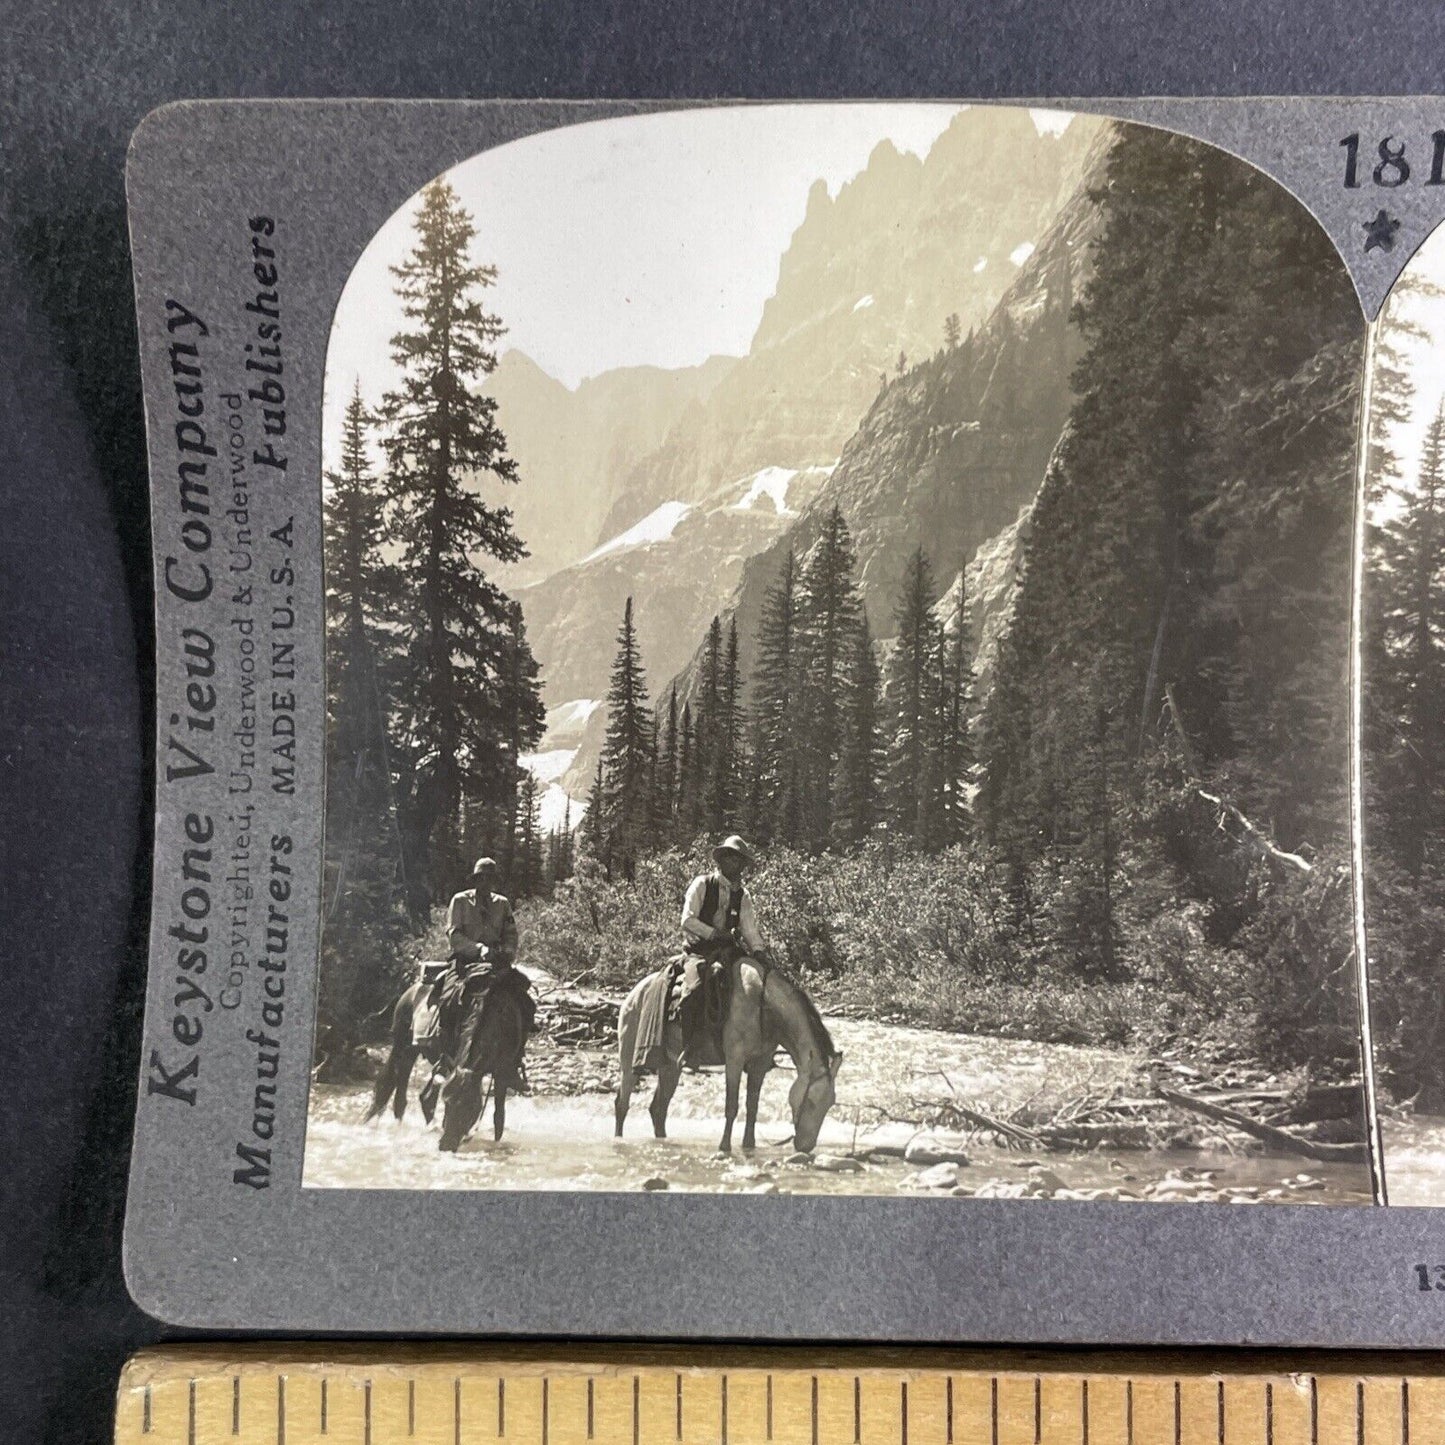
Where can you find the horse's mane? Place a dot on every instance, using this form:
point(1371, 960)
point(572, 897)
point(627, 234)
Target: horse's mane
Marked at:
point(822, 1039)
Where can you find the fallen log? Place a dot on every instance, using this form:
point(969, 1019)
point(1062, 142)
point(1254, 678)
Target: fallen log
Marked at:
point(1257, 839)
point(1249, 833)
point(1101, 1133)
point(1353, 1153)
point(1000, 1127)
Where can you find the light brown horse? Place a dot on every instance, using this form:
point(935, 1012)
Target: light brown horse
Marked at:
point(766, 1010)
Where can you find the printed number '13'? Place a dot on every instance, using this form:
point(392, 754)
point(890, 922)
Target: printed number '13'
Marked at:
point(1393, 169)
point(1424, 1273)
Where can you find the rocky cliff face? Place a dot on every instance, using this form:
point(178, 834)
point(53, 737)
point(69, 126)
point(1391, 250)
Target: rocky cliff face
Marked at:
point(990, 580)
point(679, 564)
point(948, 456)
point(575, 448)
point(870, 274)
point(951, 451)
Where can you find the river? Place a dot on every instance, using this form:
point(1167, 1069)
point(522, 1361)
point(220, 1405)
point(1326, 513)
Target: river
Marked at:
point(562, 1137)
point(1415, 1160)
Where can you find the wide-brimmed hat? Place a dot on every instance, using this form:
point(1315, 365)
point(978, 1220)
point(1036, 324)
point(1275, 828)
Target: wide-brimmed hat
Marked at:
point(483, 865)
point(734, 844)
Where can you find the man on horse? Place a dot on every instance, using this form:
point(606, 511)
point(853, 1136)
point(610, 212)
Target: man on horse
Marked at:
point(718, 926)
point(482, 933)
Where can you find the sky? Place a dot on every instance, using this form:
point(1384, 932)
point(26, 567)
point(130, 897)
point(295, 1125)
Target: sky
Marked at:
point(646, 240)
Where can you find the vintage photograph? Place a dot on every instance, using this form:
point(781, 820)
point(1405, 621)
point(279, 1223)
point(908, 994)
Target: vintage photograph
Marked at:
point(837, 628)
point(1403, 668)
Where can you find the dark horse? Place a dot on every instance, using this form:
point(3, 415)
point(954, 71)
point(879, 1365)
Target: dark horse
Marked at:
point(500, 1040)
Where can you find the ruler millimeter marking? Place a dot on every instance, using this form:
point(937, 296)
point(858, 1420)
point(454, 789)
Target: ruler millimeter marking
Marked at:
point(613, 1395)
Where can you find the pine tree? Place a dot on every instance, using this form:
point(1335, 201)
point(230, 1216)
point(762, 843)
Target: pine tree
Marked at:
point(777, 687)
point(441, 436)
point(829, 608)
point(664, 778)
point(725, 774)
point(364, 873)
point(1189, 547)
point(859, 807)
point(955, 744)
point(627, 755)
point(934, 826)
point(517, 704)
point(526, 874)
point(911, 689)
point(1408, 682)
point(561, 852)
point(952, 331)
point(701, 794)
point(689, 793)
point(592, 837)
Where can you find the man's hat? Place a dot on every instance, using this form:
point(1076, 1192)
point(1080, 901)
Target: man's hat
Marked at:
point(734, 844)
point(482, 865)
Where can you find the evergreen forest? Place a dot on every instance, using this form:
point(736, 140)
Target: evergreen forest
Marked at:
point(1136, 833)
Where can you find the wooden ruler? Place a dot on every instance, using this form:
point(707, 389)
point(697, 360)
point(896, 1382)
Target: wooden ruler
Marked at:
point(637, 1395)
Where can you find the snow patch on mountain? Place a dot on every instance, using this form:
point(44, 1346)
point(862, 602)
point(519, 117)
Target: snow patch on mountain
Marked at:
point(1021, 252)
point(555, 805)
point(569, 718)
point(547, 767)
point(557, 809)
point(657, 526)
point(774, 484)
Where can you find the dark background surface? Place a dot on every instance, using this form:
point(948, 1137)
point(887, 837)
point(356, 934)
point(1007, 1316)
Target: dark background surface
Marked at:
point(74, 551)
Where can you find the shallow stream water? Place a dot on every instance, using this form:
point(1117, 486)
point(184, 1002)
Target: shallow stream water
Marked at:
point(1415, 1160)
point(565, 1140)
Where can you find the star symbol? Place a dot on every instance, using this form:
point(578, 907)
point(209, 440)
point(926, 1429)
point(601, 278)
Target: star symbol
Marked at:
point(1380, 233)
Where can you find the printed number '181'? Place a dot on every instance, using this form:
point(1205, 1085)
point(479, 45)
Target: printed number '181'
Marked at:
point(1393, 169)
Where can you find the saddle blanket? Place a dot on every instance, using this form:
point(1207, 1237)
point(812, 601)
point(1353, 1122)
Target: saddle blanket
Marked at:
point(426, 1015)
point(689, 991)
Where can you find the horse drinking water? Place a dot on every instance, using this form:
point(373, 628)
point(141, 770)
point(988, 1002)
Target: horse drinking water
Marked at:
point(766, 1010)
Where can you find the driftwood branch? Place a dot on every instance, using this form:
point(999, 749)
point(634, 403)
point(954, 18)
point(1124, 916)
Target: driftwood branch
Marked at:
point(1254, 836)
point(1280, 1138)
point(1001, 1127)
point(998, 1126)
point(1257, 839)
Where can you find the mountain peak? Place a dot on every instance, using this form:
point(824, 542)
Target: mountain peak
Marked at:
point(820, 199)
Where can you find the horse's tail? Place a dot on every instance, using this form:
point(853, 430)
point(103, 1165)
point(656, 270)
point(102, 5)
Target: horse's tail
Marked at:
point(387, 1081)
point(627, 1018)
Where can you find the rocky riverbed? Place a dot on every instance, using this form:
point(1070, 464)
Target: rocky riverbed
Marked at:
point(876, 1140)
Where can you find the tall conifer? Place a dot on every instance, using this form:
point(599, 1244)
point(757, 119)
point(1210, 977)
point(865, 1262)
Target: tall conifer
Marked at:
point(859, 808)
point(664, 783)
point(627, 755)
point(911, 691)
point(364, 871)
point(441, 437)
point(725, 791)
point(1408, 684)
point(828, 612)
point(776, 690)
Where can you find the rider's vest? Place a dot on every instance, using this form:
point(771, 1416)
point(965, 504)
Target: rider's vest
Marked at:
point(709, 912)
